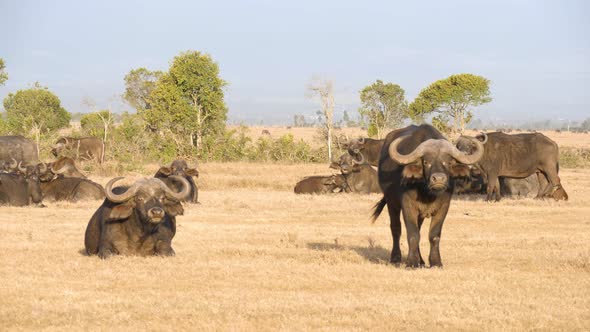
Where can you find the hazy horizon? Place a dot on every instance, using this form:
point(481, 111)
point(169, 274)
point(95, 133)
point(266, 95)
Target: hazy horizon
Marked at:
point(537, 54)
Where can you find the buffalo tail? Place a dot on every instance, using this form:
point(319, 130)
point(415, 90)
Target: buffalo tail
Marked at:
point(378, 209)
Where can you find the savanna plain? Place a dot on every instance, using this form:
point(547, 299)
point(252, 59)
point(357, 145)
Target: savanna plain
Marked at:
point(255, 256)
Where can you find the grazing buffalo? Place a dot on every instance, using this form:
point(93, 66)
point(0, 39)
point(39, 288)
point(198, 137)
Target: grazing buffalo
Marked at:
point(520, 187)
point(360, 176)
point(22, 187)
point(138, 220)
point(71, 190)
point(368, 147)
point(83, 148)
point(180, 168)
point(517, 156)
point(321, 184)
point(18, 148)
point(416, 168)
point(65, 167)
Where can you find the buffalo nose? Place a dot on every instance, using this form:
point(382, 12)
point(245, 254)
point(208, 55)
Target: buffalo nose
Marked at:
point(156, 212)
point(438, 178)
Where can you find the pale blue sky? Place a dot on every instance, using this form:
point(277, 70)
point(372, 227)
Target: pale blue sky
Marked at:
point(536, 53)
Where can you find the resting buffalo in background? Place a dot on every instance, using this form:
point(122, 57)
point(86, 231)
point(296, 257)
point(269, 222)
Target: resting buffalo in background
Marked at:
point(368, 147)
point(517, 156)
point(71, 190)
point(83, 148)
point(138, 220)
point(321, 184)
point(473, 184)
point(416, 168)
point(22, 187)
point(520, 187)
point(18, 148)
point(360, 176)
point(180, 168)
point(65, 167)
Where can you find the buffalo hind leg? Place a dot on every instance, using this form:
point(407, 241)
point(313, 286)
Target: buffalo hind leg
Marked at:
point(411, 222)
point(555, 189)
point(396, 232)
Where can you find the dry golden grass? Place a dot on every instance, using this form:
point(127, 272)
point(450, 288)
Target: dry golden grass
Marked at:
point(254, 256)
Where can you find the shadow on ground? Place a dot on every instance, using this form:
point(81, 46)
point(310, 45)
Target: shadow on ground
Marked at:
point(376, 254)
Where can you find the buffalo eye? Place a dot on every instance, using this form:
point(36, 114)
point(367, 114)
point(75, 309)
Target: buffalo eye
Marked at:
point(140, 199)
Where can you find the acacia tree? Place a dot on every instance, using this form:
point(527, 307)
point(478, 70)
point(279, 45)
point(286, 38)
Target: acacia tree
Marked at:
point(35, 111)
point(3, 74)
point(196, 78)
point(384, 106)
point(324, 90)
point(452, 98)
point(139, 84)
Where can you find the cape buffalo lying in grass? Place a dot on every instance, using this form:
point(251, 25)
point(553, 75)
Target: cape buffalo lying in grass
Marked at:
point(321, 184)
point(138, 220)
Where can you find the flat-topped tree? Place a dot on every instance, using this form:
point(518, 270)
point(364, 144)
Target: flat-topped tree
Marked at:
point(451, 98)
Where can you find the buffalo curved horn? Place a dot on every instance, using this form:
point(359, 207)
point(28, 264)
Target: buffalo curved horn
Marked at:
point(20, 168)
point(42, 167)
point(119, 198)
point(13, 163)
point(468, 159)
point(485, 138)
point(61, 170)
point(404, 159)
point(177, 196)
point(360, 162)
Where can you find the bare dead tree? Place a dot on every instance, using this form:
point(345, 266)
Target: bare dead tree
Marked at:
point(324, 90)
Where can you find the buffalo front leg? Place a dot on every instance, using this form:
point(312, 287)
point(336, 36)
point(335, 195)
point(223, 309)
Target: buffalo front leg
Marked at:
point(420, 222)
point(493, 190)
point(396, 232)
point(411, 222)
point(434, 236)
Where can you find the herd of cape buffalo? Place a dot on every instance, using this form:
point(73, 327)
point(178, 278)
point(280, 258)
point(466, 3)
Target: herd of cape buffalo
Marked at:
point(415, 168)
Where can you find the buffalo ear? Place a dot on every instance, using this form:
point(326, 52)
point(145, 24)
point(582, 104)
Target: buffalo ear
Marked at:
point(121, 211)
point(413, 171)
point(335, 165)
point(191, 172)
point(356, 168)
point(460, 171)
point(174, 208)
point(165, 170)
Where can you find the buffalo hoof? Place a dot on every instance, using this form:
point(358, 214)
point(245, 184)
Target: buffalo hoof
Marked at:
point(104, 254)
point(166, 252)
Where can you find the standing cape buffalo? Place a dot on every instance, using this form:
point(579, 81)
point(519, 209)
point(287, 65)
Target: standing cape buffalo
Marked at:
point(139, 220)
point(86, 148)
point(21, 187)
point(360, 176)
point(368, 147)
point(321, 184)
point(180, 168)
point(415, 171)
point(518, 156)
point(18, 148)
